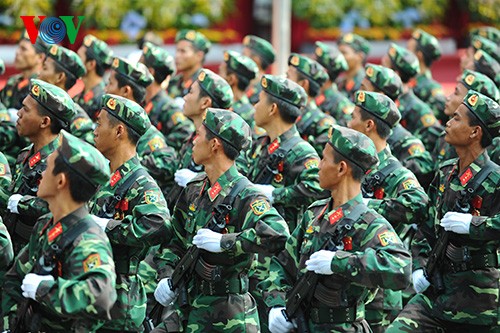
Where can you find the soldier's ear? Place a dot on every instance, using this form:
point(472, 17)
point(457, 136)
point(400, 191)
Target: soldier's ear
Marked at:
point(62, 180)
point(45, 123)
point(477, 132)
point(342, 168)
point(370, 126)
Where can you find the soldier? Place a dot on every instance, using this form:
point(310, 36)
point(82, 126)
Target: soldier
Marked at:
point(6, 251)
point(479, 43)
point(64, 280)
point(464, 263)
point(417, 117)
point(96, 57)
point(355, 50)
point(62, 67)
point(330, 100)
point(491, 33)
point(5, 180)
point(46, 110)
point(347, 248)
point(483, 63)
point(312, 124)
point(129, 207)
point(164, 114)
point(228, 240)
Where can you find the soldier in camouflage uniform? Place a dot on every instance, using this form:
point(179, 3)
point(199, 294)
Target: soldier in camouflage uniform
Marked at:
point(491, 33)
point(6, 251)
point(263, 54)
point(129, 207)
point(71, 289)
point(352, 249)
point(355, 50)
point(479, 43)
point(330, 100)
point(62, 67)
point(395, 194)
point(221, 303)
point(484, 63)
point(312, 124)
point(5, 180)
point(46, 110)
point(96, 57)
point(467, 298)
point(165, 115)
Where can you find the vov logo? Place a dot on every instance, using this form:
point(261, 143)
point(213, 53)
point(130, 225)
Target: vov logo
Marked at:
point(52, 29)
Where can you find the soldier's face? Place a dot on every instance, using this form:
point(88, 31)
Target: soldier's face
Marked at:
point(48, 72)
point(30, 121)
point(192, 101)
point(112, 86)
point(104, 137)
point(186, 56)
point(356, 122)
point(454, 100)
point(26, 57)
point(48, 183)
point(82, 53)
point(467, 58)
point(367, 85)
point(458, 131)
point(292, 74)
point(201, 146)
point(328, 169)
point(352, 57)
point(262, 109)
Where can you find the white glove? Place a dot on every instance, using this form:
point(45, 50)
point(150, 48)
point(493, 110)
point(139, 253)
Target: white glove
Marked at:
point(267, 190)
point(458, 223)
point(179, 101)
point(366, 201)
point(321, 262)
point(277, 321)
point(420, 282)
point(13, 114)
point(163, 293)
point(12, 203)
point(101, 222)
point(209, 240)
point(31, 282)
point(184, 176)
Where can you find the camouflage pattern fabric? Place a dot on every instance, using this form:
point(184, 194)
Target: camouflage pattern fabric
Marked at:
point(245, 110)
point(490, 33)
point(330, 58)
point(68, 60)
point(253, 92)
point(348, 87)
point(356, 42)
point(199, 40)
point(82, 126)
point(135, 72)
point(178, 87)
point(260, 46)
point(128, 112)
point(10, 141)
point(6, 251)
point(494, 151)
point(5, 180)
point(15, 90)
point(431, 93)
point(216, 88)
point(91, 100)
point(313, 126)
point(335, 104)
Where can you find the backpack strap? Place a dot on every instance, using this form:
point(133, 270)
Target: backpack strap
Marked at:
point(370, 183)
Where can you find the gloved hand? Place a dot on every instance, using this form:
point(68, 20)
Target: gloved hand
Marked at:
point(267, 190)
point(420, 282)
point(31, 282)
point(12, 203)
point(209, 240)
point(163, 292)
point(101, 222)
point(458, 223)
point(278, 323)
point(366, 201)
point(321, 262)
point(184, 176)
point(179, 101)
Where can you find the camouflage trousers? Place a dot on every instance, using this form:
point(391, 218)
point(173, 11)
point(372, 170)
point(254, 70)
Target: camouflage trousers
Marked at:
point(355, 327)
point(379, 320)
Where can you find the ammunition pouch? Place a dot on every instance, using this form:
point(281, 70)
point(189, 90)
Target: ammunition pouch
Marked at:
point(325, 315)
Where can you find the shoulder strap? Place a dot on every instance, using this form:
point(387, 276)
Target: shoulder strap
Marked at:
point(222, 209)
point(478, 179)
point(345, 225)
point(369, 183)
point(287, 145)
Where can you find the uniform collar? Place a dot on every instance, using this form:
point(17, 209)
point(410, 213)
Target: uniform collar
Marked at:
point(223, 183)
point(473, 168)
point(332, 216)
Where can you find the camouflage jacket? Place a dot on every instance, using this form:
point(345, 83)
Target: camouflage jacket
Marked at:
point(313, 126)
point(82, 126)
point(83, 291)
point(349, 87)
point(14, 91)
point(253, 92)
point(6, 251)
point(10, 142)
point(336, 104)
point(178, 88)
point(245, 109)
point(469, 296)
point(5, 180)
point(443, 151)
point(494, 150)
point(91, 100)
point(431, 93)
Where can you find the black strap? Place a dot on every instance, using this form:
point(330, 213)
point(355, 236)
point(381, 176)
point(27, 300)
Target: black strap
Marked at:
point(472, 186)
point(373, 181)
point(221, 210)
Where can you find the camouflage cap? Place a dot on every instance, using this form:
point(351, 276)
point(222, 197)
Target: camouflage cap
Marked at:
point(99, 50)
point(229, 127)
point(198, 39)
point(40, 46)
point(481, 43)
point(84, 159)
point(158, 58)
point(385, 80)
point(68, 60)
point(260, 46)
point(358, 43)
point(378, 105)
point(404, 60)
point(309, 67)
point(484, 63)
point(330, 58)
point(491, 33)
point(54, 100)
point(128, 112)
point(427, 43)
point(2, 67)
point(241, 64)
point(480, 83)
point(284, 89)
point(216, 88)
point(486, 110)
point(138, 73)
point(354, 146)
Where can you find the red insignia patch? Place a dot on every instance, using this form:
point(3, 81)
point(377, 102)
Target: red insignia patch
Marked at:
point(55, 232)
point(337, 215)
point(115, 178)
point(320, 99)
point(23, 84)
point(148, 107)
point(273, 146)
point(35, 159)
point(214, 191)
point(466, 176)
point(88, 96)
point(347, 240)
point(379, 193)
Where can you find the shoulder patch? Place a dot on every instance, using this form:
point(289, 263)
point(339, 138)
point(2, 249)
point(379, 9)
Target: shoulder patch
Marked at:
point(410, 183)
point(3, 169)
point(311, 163)
point(428, 120)
point(79, 122)
point(155, 143)
point(326, 121)
point(92, 261)
point(177, 117)
point(259, 206)
point(416, 148)
point(151, 197)
point(387, 237)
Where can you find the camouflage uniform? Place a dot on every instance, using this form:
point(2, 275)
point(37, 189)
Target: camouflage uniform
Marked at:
point(491, 33)
point(6, 251)
point(469, 301)
point(369, 255)
point(485, 64)
point(80, 296)
point(486, 45)
point(14, 91)
point(5, 180)
point(494, 151)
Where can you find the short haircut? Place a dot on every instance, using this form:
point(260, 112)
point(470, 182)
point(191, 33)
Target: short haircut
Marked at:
point(473, 121)
point(383, 129)
point(79, 188)
point(133, 136)
point(356, 172)
point(263, 63)
point(55, 124)
point(288, 112)
point(229, 150)
point(100, 68)
point(70, 77)
point(243, 82)
point(138, 92)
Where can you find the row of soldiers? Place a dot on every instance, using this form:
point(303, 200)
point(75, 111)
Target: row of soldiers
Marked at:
point(316, 226)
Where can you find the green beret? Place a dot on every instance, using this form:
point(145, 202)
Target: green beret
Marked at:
point(427, 43)
point(198, 39)
point(480, 83)
point(84, 159)
point(54, 100)
point(128, 112)
point(354, 146)
point(486, 110)
point(378, 105)
point(138, 73)
point(216, 88)
point(260, 46)
point(358, 43)
point(284, 89)
point(99, 50)
point(484, 63)
point(491, 33)
point(158, 58)
point(404, 60)
point(309, 67)
point(384, 79)
point(2, 67)
point(241, 65)
point(481, 43)
point(68, 60)
point(330, 58)
point(229, 127)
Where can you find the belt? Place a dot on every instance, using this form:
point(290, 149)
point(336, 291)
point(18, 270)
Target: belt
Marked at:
point(479, 261)
point(222, 288)
point(323, 315)
point(208, 271)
